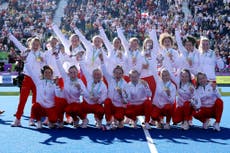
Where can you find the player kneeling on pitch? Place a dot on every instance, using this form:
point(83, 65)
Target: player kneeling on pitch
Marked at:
point(46, 92)
point(138, 98)
point(211, 104)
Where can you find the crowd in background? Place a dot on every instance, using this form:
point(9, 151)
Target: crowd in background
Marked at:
point(133, 15)
point(212, 18)
point(26, 18)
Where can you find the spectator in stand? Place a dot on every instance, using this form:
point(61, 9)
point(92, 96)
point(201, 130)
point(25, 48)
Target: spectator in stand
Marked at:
point(26, 18)
point(12, 57)
point(209, 18)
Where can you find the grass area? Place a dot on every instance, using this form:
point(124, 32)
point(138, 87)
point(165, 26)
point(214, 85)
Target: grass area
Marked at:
point(9, 93)
point(224, 93)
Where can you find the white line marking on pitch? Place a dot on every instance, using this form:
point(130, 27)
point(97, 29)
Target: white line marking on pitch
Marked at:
point(150, 141)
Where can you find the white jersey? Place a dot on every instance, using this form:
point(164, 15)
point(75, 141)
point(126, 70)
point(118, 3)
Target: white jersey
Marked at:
point(137, 94)
point(208, 64)
point(71, 92)
point(184, 94)
point(151, 62)
point(115, 57)
point(98, 89)
point(113, 85)
point(45, 89)
point(207, 95)
point(161, 98)
point(163, 54)
point(92, 53)
point(35, 61)
point(193, 56)
point(71, 58)
point(51, 61)
point(134, 59)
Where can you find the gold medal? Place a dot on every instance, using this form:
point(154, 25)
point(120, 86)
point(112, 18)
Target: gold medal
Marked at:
point(38, 59)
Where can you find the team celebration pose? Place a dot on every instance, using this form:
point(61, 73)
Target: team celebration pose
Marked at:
point(120, 79)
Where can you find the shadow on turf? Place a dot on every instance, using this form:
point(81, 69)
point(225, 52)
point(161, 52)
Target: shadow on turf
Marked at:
point(126, 135)
point(4, 122)
point(195, 133)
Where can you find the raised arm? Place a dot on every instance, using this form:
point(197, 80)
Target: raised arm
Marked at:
point(108, 77)
point(61, 69)
point(169, 67)
point(87, 75)
point(17, 43)
point(155, 75)
point(124, 41)
point(181, 48)
point(87, 44)
point(106, 41)
point(153, 36)
point(62, 38)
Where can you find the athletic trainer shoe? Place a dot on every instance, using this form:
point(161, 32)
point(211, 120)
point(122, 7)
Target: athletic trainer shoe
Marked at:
point(60, 125)
point(76, 123)
point(39, 125)
point(127, 120)
point(120, 124)
point(51, 125)
point(108, 126)
point(84, 123)
point(98, 124)
point(159, 125)
point(134, 124)
point(45, 122)
point(17, 123)
point(206, 124)
point(185, 125)
point(152, 123)
point(31, 122)
point(167, 126)
point(216, 126)
point(147, 126)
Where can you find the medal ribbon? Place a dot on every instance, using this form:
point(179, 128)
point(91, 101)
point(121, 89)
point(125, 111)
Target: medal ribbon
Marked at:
point(95, 55)
point(98, 88)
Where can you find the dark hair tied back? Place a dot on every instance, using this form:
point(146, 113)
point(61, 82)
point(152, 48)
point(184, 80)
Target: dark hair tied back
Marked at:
point(45, 68)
